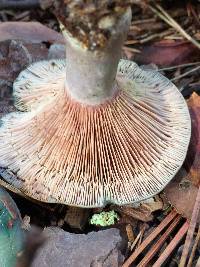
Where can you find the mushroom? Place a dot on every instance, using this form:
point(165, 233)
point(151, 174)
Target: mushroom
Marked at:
point(93, 129)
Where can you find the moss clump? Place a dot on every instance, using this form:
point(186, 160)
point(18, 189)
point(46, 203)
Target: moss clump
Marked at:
point(104, 218)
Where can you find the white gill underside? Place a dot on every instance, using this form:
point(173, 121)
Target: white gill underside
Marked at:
point(122, 151)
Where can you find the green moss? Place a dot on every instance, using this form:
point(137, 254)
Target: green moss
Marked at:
point(104, 218)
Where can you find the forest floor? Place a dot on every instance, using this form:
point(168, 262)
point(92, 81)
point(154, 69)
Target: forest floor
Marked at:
point(164, 36)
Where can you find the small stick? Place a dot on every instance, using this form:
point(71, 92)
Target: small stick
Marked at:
point(130, 42)
point(141, 236)
point(186, 73)
point(198, 263)
point(180, 66)
point(169, 249)
point(130, 49)
point(190, 232)
point(149, 38)
point(150, 238)
point(136, 240)
point(140, 21)
point(156, 35)
point(168, 19)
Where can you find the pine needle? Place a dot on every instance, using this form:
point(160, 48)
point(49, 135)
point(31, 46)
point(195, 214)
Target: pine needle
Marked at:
point(160, 12)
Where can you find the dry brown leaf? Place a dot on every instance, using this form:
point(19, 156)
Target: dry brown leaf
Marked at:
point(153, 204)
point(192, 163)
point(181, 193)
point(16, 55)
point(77, 218)
point(143, 212)
point(33, 32)
point(168, 53)
point(140, 213)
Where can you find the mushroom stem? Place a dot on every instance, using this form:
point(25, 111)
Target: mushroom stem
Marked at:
point(91, 72)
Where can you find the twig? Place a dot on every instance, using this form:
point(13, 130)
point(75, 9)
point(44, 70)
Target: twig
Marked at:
point(140, 21)
point(190, 232)
point(150, 238)
point(134, 28)
point(141, 236)
point(20, 4)
point(130, 42)
point(198, 263)
point(136, 240)
point(151, 253)
point(185, 74)
point(169, 249)
point(168, 19)
point(174, 37)
point(130, 49)
point(180, 66)
point(150, 37)
point(194, 248)
point(155, 35)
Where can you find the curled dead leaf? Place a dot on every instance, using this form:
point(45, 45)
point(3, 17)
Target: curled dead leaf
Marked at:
point(144, 211)
point(168, 53)
point(192, 162)
point(33, 32)
point(181, 193)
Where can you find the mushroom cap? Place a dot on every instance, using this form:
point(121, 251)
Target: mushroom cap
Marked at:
point(55, 149)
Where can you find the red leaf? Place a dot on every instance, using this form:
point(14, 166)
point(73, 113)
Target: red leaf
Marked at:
point(192, 162)
point(168, 53)
point(181, 193)
point(33, 32)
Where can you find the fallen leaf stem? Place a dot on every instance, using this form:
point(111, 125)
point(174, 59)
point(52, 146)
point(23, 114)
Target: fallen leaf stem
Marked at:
point(150, 238)
point(169, 249)
point(155, 248)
